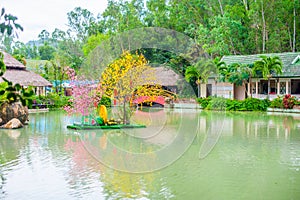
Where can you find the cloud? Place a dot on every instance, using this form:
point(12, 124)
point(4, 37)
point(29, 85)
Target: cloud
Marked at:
point(37, 15)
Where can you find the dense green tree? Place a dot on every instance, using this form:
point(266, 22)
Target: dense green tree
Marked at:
point(29, 51)
point(46, 52)
point(79, 22)
point(218, 27)
point(157, 13)
point(70, 50)
point(93, 41)
point(120, 16)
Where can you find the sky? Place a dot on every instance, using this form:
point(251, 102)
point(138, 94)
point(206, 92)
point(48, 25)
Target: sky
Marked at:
point(37, 15)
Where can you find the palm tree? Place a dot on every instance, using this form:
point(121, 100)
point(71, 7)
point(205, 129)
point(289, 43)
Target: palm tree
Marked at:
point(268, 66)
point(235, 73)
point(222, 71)
point(201, 72)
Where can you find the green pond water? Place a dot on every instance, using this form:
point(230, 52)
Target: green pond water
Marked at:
point(182, 154)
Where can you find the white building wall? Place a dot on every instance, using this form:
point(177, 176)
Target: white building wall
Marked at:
point(221, 89)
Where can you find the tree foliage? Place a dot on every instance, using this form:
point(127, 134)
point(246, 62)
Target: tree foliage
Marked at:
point(267, 67)
point(8, 24)
point(126, 76)
point(217, 28)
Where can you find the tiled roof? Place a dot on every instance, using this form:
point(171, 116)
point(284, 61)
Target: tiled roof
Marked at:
point(289, 68)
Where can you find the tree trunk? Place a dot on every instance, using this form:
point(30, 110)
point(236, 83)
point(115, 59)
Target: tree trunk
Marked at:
point(221, 7)
point(264, 27)
point(268, 95)
point(294, 35)
point(290, 38)
point(231, 42)
point(124, 111)
point(246, 5)
point(250, 80)
point(199, 89)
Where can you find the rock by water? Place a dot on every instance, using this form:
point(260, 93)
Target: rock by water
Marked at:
point(13, 110)
point(13, 124)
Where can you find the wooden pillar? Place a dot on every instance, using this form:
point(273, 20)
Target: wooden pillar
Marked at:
point(203, 90)
point(249, 92)
point(286, 87)
point(256, 88)
point(278, 88)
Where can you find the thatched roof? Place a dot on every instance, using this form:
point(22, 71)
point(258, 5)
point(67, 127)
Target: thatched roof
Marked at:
point(11, 62)
point(25, 78)
point(166, 77)
point(16, 72)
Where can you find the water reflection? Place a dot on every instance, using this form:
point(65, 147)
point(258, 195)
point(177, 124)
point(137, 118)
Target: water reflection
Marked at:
point(255, 155)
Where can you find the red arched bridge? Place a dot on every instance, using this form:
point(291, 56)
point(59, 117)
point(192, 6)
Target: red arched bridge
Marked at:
point(158, 96)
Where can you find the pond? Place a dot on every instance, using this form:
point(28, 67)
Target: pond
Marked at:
point(182, 154)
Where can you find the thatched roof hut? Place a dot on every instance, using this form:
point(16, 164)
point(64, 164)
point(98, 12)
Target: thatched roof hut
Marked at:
point(11, 62)
point(16, 72)
point(25, 78)
point(166, 77)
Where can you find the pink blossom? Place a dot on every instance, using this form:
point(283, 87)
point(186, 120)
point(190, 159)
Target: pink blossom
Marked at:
point(83, 97)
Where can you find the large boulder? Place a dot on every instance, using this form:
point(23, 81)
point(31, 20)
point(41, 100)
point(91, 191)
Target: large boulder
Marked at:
point(13, 124)
point(8, 111)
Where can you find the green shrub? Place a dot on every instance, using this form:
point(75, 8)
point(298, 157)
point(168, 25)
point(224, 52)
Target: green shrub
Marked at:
point(217, 103)
point(249, 104)
point(221, 103)
point(53, 100)
point(267, 103)
point(253, 104)
point(204, 101)
point(287, 101)
point(105, 100)
point(277, 102)
point(234, 105)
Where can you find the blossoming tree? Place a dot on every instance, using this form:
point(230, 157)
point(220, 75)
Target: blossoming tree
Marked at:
point(126, 78)
point(83, 95)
